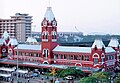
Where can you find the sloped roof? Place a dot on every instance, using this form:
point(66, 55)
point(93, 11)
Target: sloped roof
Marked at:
point(72, 49)
point(98, 43)
point(5, 35)
point(109, 49)
point(31, 39)
point(28, 47)
point(13, 41)
point(49, 14)
point(113, 42)
point(2, 41)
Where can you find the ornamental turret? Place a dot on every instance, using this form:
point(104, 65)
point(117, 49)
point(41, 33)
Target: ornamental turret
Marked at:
point(49, 36)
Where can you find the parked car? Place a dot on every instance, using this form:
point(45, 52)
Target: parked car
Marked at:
point(34, 75)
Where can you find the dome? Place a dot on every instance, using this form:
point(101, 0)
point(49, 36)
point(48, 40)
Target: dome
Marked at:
point(98, 43)
point(5, 35)
point(113, 42)
point(31, 39)
point(13, 41)
point(49, 14)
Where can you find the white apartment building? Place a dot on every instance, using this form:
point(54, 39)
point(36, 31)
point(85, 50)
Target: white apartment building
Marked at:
point(18, 26)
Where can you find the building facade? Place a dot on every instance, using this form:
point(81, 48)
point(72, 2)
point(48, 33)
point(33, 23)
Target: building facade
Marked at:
point(50, 54)
point(18, 26)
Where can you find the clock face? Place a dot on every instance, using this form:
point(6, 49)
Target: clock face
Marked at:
point(54, 23)
point(3, 50)
point(45, 23)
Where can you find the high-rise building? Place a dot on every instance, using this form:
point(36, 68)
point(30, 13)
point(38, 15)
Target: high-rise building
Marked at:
point(18, 26)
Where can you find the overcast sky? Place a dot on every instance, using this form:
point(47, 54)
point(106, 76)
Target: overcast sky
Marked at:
point(87, 15)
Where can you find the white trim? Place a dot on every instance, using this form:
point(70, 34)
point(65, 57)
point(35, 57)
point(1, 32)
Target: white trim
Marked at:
point(79, 64)
point(46, 62)
point(54, 40)
point(45, 40)
point(96, 64)
point(102, 55)
point(95, 54)
point(3, 50)
point(10, 50)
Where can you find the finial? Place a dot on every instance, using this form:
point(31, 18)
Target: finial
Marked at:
point(49, 3)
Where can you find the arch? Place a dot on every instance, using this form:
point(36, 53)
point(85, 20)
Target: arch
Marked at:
point(45, 62)
point(3, 50)
point(78, 64)
point(95, 55)
point(10, 51)
point(102, 55)
point(45, 52)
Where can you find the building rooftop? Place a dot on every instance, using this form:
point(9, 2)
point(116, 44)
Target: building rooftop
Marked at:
point(72, 49)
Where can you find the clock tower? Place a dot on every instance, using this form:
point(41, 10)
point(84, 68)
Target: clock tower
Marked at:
point(49, 36)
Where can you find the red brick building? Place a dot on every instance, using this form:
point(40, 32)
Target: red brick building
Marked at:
point(49, 53)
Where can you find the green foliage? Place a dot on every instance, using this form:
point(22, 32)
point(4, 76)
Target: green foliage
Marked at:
point(70, 71)
point(117, 79)
point(102, 76)
point(88, 80)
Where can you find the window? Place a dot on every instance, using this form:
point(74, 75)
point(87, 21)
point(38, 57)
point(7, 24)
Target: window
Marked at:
point(82, 57)
point(102, 59)
point(86, 58)
point(75, 57)
point(71, 57)
point(95, 60)
point(53, 35)
point(45, 53)
point(65, 56)
point(45, 34)
point(61, 56)
point(55, 56)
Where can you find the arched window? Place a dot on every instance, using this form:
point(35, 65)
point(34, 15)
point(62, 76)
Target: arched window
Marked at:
point(45, 34)
point(54, 34)
point(45, 53)
point(95, 58)
point(102, 57)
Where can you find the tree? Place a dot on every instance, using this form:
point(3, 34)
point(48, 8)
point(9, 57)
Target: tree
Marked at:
point(88, 80)
point(70, 71)
point(117, 79)
point(102, 77)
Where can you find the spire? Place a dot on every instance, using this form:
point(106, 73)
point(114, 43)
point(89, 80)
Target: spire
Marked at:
point(49, 14)
point(113, 42)
point(5, 35)
point(98, 43)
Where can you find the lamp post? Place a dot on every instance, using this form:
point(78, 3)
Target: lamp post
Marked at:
point(17, 63)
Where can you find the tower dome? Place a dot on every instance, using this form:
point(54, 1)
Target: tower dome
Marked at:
point(113, 42)
point(13, 41)
point(49, 14)
point(5, 35)
point(98, 43)
point(31, 40)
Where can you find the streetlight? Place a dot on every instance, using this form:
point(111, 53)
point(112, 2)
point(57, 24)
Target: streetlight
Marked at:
point(17, 60)
point(17, 63)
point(15, 43)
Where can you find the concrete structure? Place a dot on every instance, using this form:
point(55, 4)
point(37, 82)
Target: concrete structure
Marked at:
point(50, 54)
point(18, 26)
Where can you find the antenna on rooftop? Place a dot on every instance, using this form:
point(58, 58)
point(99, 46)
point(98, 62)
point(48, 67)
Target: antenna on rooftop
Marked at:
point(76, 29)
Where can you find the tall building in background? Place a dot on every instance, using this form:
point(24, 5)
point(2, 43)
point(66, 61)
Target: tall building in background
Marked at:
point(18, 26)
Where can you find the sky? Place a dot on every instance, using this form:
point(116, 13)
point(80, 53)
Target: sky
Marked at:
point(86, 15)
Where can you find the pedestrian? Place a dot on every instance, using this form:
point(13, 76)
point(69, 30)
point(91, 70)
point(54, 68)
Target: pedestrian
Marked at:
point(28, 80)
